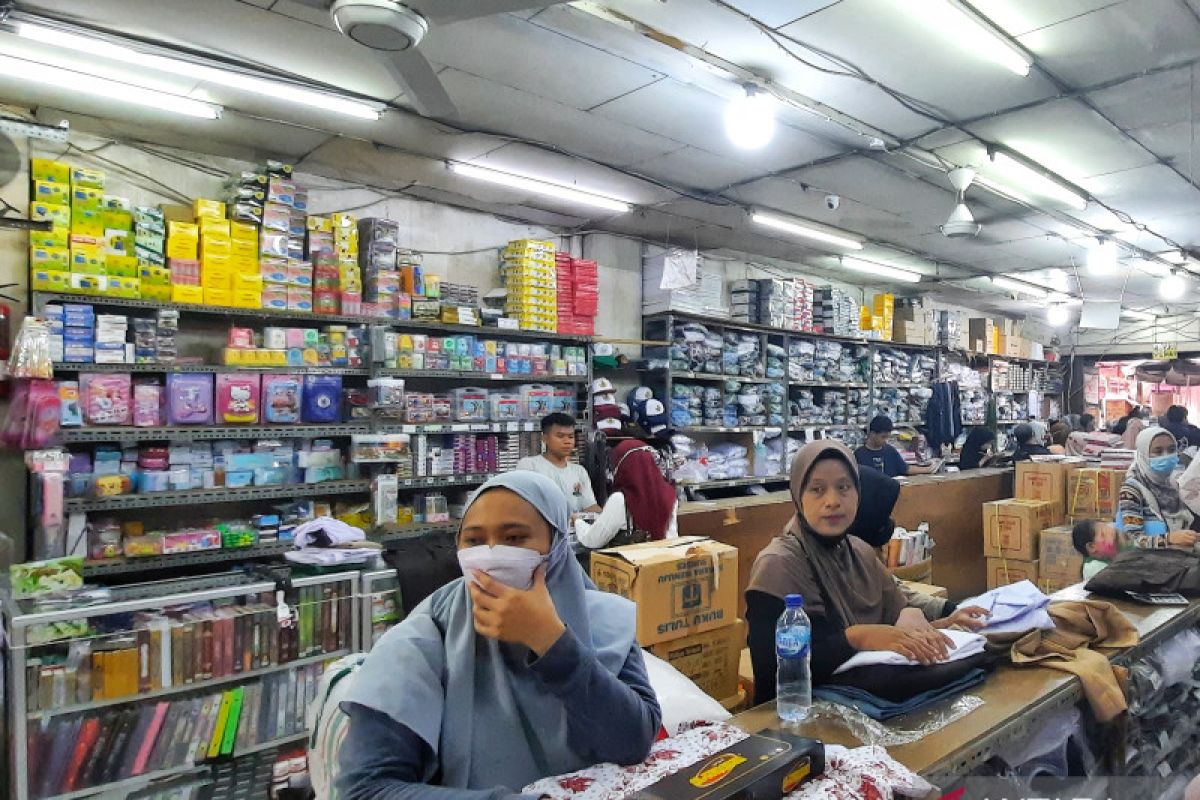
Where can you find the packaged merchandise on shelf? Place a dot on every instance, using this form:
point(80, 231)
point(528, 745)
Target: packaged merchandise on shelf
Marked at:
point(835, 312)
point(676, 280)
point(471, 353)
point(529, 273)
point(830, 407)
point(742, 355)
point(695, 348)
point(330, 346)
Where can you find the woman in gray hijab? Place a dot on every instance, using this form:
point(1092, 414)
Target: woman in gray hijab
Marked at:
point(519, 671)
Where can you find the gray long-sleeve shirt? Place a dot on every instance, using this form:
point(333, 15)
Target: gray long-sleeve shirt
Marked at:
point(611, 718)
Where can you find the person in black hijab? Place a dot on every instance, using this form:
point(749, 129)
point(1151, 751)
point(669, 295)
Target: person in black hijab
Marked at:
point(1027, 444)
point(972, 455)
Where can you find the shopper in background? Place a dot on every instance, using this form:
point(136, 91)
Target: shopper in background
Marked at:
point(851, 600)
point(1128, 427)
point(1186, 434)
point(1087, 423)
point(516, 672)
point(1031, 441)
point(977, 449)
point(1150, 493)
point(880, 455)
point(1060, 430)
point(1098, 542)
point(643, 503)
point(558, 443)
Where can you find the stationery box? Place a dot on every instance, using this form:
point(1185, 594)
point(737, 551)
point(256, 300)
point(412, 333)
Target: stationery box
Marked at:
point(1011, 527)
point(681, 586)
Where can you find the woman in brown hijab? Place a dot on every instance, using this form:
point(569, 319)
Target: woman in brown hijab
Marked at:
point(851, 600)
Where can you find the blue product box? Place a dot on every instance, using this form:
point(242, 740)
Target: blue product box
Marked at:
point(110, 345)
point(238, 479)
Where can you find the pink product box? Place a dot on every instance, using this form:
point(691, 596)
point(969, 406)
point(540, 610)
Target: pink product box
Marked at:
point(191, 540)
point(238, 398)
point(184, 271)
point(273, 270)
point(274, 297)
point(106, 399)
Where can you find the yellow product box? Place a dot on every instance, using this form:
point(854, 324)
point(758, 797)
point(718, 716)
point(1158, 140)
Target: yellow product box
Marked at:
point(213, 260)
point(57, 236)
point(85, 176)
point(186, 294)
point(86, 284)
point(220, 280)
point(272, 358)
point(343, 221)
point(121, 266)
point(114, 203)
point(212, 209)
point(122, 287)
point(183, 249)
point(243, 265)
point(217, 297)
point(88, 259)
point(247, 298)
point(150, 274)
point(118, 243)
point(51, 192)
point(214, 245)
point(319, 224)
point(57, 213)
point(681, 586)
point(49, 280)
point(87, 222)
point(183, 230)
point(87, 197)
point(50, 258)
point(1011, 527)
point(248, 281)
point(711, 660)
point(117, 219)
point(44, 169)
point(238, 357)
point(213, 227)
point(243, 231)
point(160, 292)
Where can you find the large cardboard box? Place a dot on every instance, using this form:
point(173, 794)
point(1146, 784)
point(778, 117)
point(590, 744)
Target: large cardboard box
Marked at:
point(1003, 571)
point(1013, 346)
point(1011, 527)
point(681, 586)
point(1058, 556)
point(709, 659)
point(1050, 585)
point(1093, 492)
point(980, 332)
point(1046, 480)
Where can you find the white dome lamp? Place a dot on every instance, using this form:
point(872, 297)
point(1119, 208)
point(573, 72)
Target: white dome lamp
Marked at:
point(961, 224)
point(1057, 315)
point(1172, 286)
point(750, 119)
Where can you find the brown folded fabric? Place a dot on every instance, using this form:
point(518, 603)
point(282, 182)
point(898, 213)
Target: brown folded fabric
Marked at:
point(1080, 625)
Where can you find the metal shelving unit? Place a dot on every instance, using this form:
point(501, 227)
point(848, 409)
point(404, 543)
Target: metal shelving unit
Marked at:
point(476, 376)
point(220, 495)
point(184, 433)
point(733, 482)
point(214, 368)
point(19, 719)
point(458, 427)
point(112, 567)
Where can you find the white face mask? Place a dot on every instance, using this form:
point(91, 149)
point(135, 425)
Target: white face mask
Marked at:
point(512, 566)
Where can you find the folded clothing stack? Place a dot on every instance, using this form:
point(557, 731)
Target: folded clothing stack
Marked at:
point(1015, 608)
point(882, 709)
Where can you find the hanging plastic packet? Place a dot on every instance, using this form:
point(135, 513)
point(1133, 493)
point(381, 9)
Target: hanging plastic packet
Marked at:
point(31, 352)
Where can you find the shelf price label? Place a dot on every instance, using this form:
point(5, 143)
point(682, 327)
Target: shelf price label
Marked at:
point(1165, 350)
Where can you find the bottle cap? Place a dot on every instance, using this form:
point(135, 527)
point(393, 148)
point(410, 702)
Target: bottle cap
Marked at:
point(794, 601)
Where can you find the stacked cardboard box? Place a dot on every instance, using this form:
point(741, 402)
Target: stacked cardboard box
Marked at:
point(1092, 493)
point(1046, 480)
point(835, 312)
point(578, 294)
point(1010, 538)
point(687, 599)
point(1061, 565)
point(530, 274)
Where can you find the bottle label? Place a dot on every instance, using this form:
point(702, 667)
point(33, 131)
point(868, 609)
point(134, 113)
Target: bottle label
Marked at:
point(792, 642)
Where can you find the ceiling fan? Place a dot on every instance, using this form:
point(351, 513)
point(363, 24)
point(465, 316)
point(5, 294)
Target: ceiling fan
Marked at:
point(395, 29)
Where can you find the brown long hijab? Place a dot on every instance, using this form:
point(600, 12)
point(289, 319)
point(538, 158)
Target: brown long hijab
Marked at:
point(842, 572)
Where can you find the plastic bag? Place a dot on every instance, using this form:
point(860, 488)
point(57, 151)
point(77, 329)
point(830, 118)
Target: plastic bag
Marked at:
point(31, 352)
point(921, 723)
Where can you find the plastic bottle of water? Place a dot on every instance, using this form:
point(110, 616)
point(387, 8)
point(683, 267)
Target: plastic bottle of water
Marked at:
point(793, 680)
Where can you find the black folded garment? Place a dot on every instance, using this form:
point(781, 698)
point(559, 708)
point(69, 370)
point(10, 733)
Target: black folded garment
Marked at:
point(899, 683)
point(1159, 570)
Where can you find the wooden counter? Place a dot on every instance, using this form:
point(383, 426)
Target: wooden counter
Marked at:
point(1014, 698)
point(950, 503)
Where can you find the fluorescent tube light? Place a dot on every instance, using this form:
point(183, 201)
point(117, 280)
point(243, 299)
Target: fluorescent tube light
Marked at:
point(1102, 258)
point(973, 33)
point(1020, 287)
point(882, 270)
point(1036, 181)
point(280, 90)
point(539, 186)
point(808, 232)
point(62, 78)
point(1152, 268)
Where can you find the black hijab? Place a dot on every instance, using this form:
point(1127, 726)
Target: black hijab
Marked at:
point(972, 449)
point(876, 498)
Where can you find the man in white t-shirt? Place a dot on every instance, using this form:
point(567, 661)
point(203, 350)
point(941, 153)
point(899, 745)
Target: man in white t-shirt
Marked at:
point(558, 441)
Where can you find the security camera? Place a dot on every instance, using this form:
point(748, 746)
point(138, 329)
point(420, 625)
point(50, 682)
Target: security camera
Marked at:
point(832, 201)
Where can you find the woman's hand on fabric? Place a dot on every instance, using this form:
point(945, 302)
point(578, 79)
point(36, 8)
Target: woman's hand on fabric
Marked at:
point(511, 615)
point(970, 617)
point(923, 646)
point(1182, 538)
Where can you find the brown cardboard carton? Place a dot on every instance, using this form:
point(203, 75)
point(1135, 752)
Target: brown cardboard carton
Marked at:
point(1011, 527)
point(1045, 480)
point(681, 586)
point(1003, 571)
point(980, 329)
point(1092, 493)
point(1058, 556)
point(709, 659)
point(1012, 346)
point(1050, 585)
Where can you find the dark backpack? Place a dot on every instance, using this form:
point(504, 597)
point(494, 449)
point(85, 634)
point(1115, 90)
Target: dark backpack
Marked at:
point(1143, 570)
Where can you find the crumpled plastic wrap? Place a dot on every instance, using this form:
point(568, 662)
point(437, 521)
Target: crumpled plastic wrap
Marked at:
point(916, 726)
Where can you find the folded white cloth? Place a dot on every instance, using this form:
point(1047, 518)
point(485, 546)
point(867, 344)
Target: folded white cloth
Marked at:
point(317, 531)
point(1014, 608)
point(329, 557)
point(965, 645)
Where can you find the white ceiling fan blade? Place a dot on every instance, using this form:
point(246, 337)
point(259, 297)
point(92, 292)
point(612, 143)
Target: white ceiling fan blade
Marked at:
point(443, 12)
point(321, 5)
point(420, 83)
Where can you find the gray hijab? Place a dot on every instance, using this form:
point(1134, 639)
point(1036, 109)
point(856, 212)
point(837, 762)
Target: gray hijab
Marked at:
point(473, 700)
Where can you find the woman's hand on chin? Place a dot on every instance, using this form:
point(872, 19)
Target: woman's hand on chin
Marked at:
point(511, 615)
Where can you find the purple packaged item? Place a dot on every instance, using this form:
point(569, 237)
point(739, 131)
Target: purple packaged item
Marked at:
point(189, 399)
point(147, 405)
